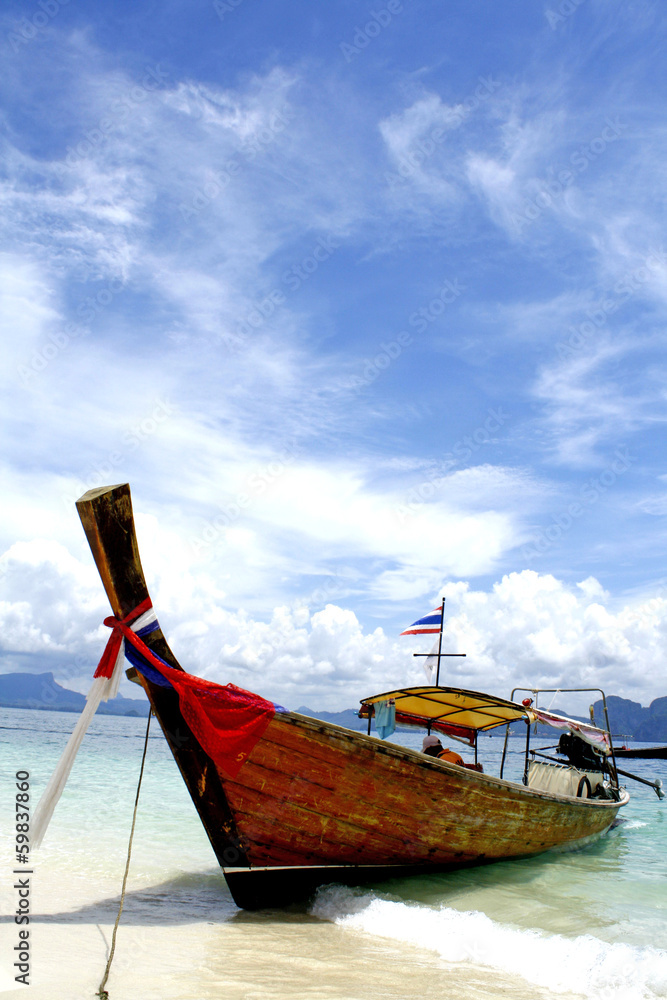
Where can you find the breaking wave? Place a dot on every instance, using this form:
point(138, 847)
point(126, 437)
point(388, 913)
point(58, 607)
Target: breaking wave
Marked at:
point(585, 965)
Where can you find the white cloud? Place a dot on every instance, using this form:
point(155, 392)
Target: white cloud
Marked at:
point(515, 175)
point(49, 611)
point(287, 521)
point(402, 130)
point(529, 630)
point(594, 397)
point(496, 181)
point(533, 630)
point(28, 308)
point(655, 505)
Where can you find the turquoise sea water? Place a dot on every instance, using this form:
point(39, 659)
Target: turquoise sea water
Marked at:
point(591, 923)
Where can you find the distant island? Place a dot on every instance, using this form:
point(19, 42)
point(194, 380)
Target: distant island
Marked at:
point(633, 721)
point(628, 719)
point(41, 692)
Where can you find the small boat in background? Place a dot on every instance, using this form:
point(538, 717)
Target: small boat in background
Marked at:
point(642, 753)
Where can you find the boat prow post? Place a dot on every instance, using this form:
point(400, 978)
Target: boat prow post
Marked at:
point(108, 521)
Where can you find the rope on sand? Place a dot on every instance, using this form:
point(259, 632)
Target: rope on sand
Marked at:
point(102, 993)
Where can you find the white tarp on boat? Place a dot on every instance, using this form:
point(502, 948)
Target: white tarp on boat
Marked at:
point(596, 737)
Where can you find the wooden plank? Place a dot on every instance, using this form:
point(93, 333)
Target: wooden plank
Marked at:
point(290, 795)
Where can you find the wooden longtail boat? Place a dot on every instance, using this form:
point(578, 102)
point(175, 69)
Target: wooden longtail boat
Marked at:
point(290, 803)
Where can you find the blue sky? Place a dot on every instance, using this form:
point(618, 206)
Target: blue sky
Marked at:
point(367, 304)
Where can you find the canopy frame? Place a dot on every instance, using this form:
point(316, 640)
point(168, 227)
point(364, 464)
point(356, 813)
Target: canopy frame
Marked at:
point(447, 710)
point(611, 760)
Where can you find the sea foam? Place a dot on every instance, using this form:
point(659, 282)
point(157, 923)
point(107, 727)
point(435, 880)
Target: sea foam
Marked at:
point(585, 965)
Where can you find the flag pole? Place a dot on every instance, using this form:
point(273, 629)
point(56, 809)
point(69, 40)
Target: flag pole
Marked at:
point(442, 622)
point(420, 626)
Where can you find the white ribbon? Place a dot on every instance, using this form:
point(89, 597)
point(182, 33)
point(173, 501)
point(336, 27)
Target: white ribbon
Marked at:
point(102, 689)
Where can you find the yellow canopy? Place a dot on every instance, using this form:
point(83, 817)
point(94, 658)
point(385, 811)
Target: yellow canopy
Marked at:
point(450, 709)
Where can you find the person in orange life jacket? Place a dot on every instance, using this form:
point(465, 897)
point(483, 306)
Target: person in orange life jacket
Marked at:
point(434, 748)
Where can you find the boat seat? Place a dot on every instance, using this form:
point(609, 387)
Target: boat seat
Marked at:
point(562, 779)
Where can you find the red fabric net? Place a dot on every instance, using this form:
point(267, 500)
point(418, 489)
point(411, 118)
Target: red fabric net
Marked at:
point(226, 720)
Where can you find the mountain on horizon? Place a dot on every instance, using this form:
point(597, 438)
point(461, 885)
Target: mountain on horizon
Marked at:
point(634, 722)
point(42, 692)
point(347, 718)
point(628, 719)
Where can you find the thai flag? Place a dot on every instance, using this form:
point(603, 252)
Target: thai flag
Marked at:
point(431, 623)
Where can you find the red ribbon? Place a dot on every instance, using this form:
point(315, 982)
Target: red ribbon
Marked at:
point(226, 720)
point(120, 630)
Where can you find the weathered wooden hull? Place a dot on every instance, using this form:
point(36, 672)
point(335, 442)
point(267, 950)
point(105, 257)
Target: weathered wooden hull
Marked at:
point(314, 793)
point(314, 802)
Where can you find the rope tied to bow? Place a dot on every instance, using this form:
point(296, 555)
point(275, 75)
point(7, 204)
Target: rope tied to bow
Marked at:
point(102, 993)
point(106, 681)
